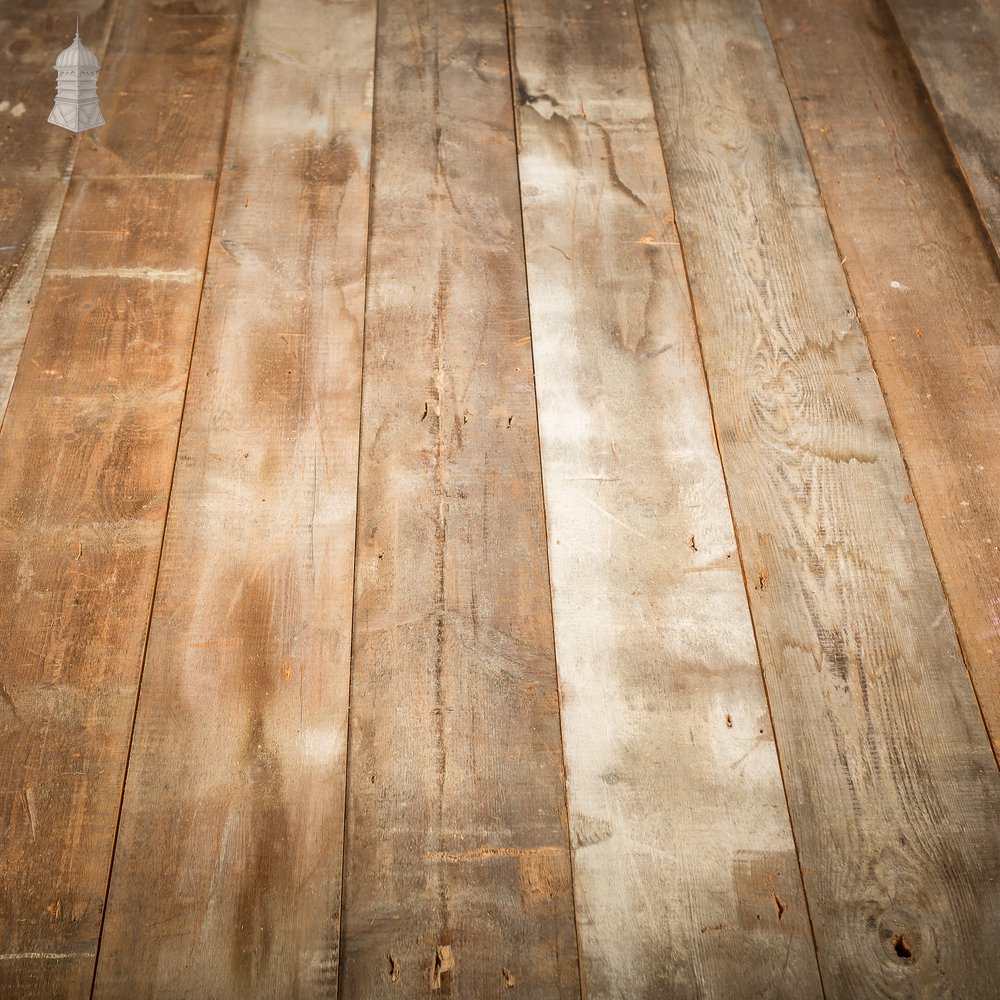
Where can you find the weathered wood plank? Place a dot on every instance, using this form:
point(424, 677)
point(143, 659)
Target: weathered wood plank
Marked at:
point(685, 872)
point(87, 451)
point(927, 291)
point(956, 47)
point(227, 873)
point(36, 159)
point(457, 865)
point(892, 786)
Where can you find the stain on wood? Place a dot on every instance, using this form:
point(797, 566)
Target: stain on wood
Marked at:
point(457, 857)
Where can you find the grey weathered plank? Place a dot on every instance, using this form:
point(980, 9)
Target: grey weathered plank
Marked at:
point(685, 874)
point(87, 452)
point(892, 787)
point(956, 47)
point(227, 873)
point(457, 865)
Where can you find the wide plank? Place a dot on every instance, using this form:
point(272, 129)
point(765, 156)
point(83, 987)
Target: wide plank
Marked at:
point(892, 785)
point(924, 279)
point(457, 865)
point(226, 880)
point(36, 159)
point(685, 873)
point(956, 47)
point(87, 451)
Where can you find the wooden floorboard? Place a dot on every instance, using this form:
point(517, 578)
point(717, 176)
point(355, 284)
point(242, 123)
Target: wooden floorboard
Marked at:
point(956, 47)
point(892, 786)
point(36, 158)
point(922, 274)
point(229, 858)
point(550, 448)
point(457, 865)
point(87, 449)
point(669, 746)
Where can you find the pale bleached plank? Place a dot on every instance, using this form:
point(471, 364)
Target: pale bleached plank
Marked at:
point(924, 278)
point(36, 158)
point(227, 874)
point(685, 873)
point(956, 47)
point(457, 865)
point(87, 452)
point(893, 789)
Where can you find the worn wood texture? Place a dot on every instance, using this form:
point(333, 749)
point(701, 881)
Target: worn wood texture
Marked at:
point(956, 47)
point(227, 872)
point(457, 865)
point(36, 158)
point(892, 787)
point(923, 277)
point(87, 451)
point(685, 872)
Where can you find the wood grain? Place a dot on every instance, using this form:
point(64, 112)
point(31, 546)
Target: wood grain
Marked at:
point(87, 449)
point(956, 47)
point(457, 865)
point(685, 872)
point(36, 159)
point(227, 872)
point(923, 276)
point(892, 786)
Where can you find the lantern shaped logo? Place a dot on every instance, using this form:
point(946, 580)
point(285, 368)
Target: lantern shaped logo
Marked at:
point(76, 88)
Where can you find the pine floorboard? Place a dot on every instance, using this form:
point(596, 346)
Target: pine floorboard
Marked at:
point(500, 499)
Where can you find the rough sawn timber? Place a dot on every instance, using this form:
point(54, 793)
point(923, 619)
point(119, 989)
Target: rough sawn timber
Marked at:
point(87, 452)
point(685, 873)
point(892, 786)
point(457, 865)
point(227, 873)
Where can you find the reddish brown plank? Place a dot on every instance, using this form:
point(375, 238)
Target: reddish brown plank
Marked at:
point(227, 873)
point(457, 866)
point(87, 449)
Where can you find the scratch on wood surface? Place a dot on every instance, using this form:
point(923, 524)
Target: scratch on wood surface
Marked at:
point(627, 527)
point(187, 275)
point(482, 853)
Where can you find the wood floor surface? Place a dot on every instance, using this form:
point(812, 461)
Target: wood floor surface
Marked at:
point(500, 499)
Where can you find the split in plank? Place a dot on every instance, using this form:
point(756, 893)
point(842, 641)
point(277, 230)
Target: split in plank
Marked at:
point(226, 880)
point(457, 865)
point(892, 786)
point(87, 451)
point(685, 873)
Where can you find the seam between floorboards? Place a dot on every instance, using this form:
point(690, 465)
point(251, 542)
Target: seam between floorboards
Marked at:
point(729, 501)
point(338, 991)
point(223, 147)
